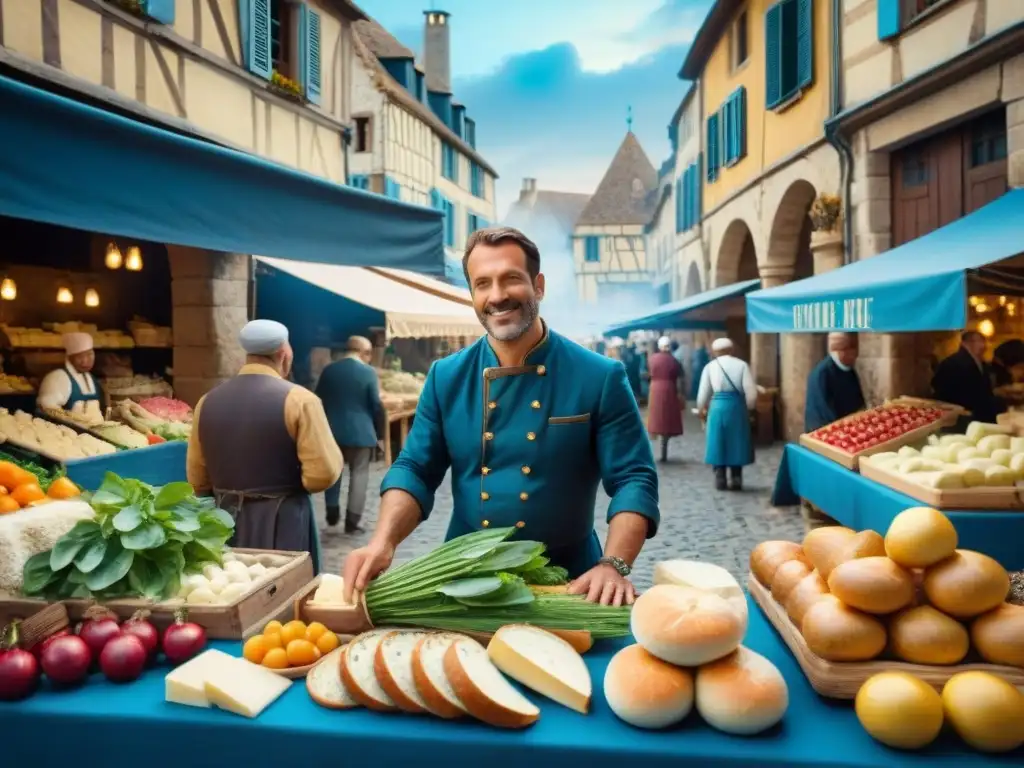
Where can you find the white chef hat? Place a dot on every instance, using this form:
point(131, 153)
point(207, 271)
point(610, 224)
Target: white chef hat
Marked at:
point(263, 337)
point(77, 343)
point(664, 343)
point(721, 345)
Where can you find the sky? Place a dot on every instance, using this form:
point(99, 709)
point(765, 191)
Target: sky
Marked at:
point(549, 82)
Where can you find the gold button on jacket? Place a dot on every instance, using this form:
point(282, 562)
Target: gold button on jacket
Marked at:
point(531, 435)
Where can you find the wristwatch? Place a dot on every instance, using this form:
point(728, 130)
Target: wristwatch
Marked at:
point(617, 563)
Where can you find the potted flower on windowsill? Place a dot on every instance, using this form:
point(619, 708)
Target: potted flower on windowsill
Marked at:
point(826, 216)
point(284, 86)
point(134, 7)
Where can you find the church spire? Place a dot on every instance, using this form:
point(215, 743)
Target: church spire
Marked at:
point(629, 118)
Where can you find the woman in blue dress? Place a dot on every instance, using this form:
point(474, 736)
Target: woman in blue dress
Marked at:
point(726, 395)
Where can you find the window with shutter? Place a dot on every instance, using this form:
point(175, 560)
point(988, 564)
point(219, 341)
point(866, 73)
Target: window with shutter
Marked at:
point(436, 200)
point(713, 148)
point(888, 18)
point(789, 50)
point(310, 58)
point(804, 43)
point(257, 43)
point(161, 11)
point(359, 181)
point(592, 249)
point(773, 56)
point(449, 224)
point(697, 191)
point(737, 125)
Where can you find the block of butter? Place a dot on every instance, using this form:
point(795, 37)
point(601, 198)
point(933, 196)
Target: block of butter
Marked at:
point(217, 679)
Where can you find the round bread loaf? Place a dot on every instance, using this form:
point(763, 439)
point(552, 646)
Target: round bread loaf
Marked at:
point(686, 626)
point(966, 584)
point(810, 589)
point(743, 693)
point(645, 691)
point(985, 711)
point(999, 635)
point(836, 632)
point(923, 635)
point(900, 710)
point(767, 556)
point(872, 585)
point(787, 576)
point(823, 545)
point(920, 537)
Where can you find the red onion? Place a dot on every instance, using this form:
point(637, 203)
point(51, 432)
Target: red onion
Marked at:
point(123, 658)
point(100, 626)
point(183, 639)
point(19, 670)
point(37, 649)
point(139, 626)
point(66, 660)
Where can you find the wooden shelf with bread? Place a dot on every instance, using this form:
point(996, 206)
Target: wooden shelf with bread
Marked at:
point(852, 605)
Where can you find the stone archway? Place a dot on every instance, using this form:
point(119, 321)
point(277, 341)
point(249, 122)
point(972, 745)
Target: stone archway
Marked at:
point(737, 261)
point(693, 281)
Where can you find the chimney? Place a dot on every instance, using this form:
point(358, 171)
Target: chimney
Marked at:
point(437, 51)
point(528, 194)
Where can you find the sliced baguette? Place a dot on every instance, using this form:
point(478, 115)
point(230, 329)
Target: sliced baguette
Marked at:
point(358, 675)
point(324, 683)
point(544, 663)
point(431, 681)
point(392, 664)
point(482, 689)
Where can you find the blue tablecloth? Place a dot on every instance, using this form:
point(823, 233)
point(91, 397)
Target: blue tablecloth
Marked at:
point(156, 465)
point(125, 720)
point(860, 503)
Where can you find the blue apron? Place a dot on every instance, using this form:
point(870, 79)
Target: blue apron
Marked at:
point(728, 442)
point(78, 396)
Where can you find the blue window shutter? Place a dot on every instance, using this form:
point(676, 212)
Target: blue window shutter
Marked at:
point(258, 39)
point(160, 10)
point(888, 13)
point(712, 148)
point(680, 220)
point(696, 192)
point(741, 122)
point(435, 200)
point(311, 66)
point(804, 43)
point(772, 56)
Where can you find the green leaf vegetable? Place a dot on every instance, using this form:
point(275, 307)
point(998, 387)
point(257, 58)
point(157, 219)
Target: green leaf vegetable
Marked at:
point(480, 582)
point(139, 544)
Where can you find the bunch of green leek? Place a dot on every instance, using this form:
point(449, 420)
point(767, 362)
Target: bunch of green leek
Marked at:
point(480, 582)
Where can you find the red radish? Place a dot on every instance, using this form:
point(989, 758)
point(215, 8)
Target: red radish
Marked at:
point(37, 649)
point(183, 639)
point(100, 626)
point(19, 670)
point(123, 658)
point(139, 626)
point(66, 660)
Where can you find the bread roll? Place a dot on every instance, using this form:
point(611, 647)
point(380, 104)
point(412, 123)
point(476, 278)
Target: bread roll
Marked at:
point(810, 589)
point(824, 546)
point(900, 710)
point(923, 635)
point(836, 632)
point(999, 635)
point(872, 585)
point(645, 691)
point(686, 626)
point(985, 711)
point(920, 537)
point(767, 556)
point(743, 693)
point(787, 576)
point(966, 584)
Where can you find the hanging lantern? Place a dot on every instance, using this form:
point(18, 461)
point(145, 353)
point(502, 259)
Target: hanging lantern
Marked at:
point(8, 290)
point(134, 261)
point(92, 298)
point(113, 258)
point(987, 328)
point(64, 295)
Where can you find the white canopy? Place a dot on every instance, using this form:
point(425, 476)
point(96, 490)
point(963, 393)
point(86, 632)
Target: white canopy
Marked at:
point(429, 284)
point(410, 312)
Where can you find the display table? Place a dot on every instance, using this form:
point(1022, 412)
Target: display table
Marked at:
point(396, 433)
point(156, 465)
point(861, 504)
point(133, 720)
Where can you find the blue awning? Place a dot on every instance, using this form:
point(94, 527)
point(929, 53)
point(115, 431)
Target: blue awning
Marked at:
point(919, 286)
point(74, 165)
point(703, 311)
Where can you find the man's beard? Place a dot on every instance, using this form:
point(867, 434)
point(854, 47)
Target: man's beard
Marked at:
point(530, 309)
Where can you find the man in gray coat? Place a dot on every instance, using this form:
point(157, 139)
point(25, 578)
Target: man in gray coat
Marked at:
point(350, 391)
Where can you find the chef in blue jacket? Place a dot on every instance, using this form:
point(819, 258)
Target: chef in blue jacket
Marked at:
point(529, 423)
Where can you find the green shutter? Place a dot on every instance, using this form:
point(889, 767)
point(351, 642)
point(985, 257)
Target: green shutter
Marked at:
point(161, 11)
point(311, 64)
point(888, 13)
point(740, 118)
point(257, 38)
point(772, 56)
point(804, 43)
point(713, 148)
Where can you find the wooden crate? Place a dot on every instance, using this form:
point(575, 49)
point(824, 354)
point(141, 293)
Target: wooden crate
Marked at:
point(852, 460)
point(842, 680)
point(221, 622)
point(981, 497)
point(344, 620)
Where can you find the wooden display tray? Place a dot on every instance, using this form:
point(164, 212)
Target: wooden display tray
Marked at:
point(980, 497)
point(852, 460)
point(221, 622)
point(953, 411)
point(82, 429)
point(842, 680)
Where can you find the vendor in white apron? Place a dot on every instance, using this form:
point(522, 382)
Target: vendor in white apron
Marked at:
point(725, 397)
point(72, 387)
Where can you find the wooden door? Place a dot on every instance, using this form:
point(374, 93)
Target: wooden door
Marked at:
point(947, 152)
point(915, 210)
point(984, 161)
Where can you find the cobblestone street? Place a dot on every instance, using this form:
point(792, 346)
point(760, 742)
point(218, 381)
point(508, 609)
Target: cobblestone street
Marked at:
point(697, 522)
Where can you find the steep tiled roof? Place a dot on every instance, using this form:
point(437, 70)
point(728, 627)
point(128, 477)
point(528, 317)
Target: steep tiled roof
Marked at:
point(365, 33)
point(622, 197)
point(563, 207)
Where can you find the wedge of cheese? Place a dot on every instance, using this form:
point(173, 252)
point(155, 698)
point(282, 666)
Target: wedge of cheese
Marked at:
point(544, 663)
point(187, 684)
point(246, 690)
